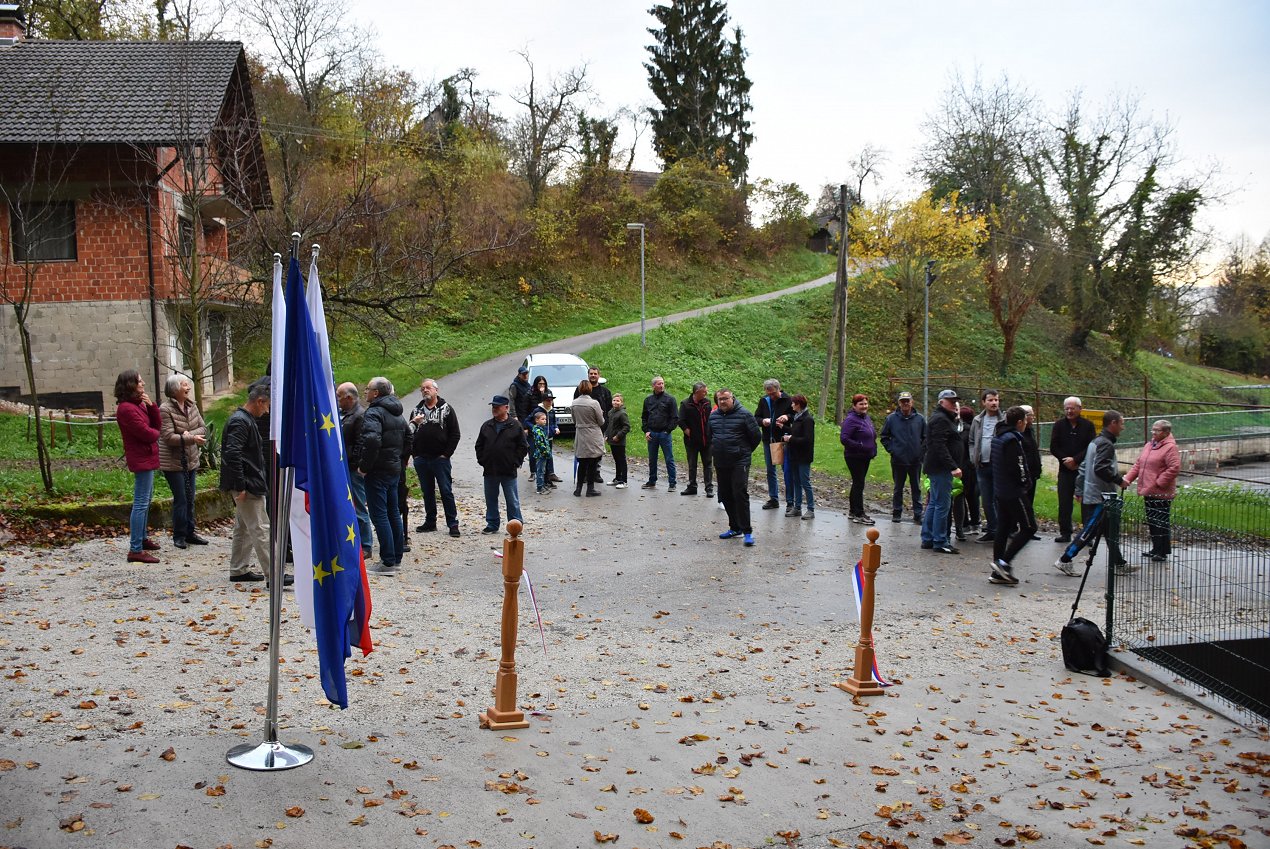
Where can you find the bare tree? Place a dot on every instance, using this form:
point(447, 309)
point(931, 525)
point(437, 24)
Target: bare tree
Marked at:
point(864, 165)
point(543, 133)
point(313, 45)
point(32, 188)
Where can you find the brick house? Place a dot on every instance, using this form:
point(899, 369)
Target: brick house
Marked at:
point(123, 168)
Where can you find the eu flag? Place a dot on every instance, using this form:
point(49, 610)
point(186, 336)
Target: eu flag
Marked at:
point(311, 444)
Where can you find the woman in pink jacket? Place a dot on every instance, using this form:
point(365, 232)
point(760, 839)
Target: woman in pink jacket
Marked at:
point(1156, 474)
point(138, 419)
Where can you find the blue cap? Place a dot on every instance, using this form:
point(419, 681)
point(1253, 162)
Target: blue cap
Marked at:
point(499, 401)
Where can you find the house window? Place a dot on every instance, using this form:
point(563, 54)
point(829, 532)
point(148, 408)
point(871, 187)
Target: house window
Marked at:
point(43, 231)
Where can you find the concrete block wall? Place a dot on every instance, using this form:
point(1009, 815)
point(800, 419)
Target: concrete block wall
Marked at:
point(81, 346)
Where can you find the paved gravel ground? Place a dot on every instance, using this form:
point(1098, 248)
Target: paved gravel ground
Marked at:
point(685, 679)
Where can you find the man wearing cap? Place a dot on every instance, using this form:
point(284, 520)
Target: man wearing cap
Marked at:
point(521, 395)
point(904, 438)
point(941, 467)
point(500, 449)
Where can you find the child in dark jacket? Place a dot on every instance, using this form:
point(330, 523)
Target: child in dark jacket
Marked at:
point(540, 449)
point(615, 430)
point(800, 442)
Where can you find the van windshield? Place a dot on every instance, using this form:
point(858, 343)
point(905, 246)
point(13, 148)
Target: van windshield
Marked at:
point(561, 375)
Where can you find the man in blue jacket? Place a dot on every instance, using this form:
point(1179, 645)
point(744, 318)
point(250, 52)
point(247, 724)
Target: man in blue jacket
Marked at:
point(904, 438)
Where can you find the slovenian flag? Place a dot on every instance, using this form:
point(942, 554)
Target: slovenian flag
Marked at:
point(330, 575)
point(857, 592)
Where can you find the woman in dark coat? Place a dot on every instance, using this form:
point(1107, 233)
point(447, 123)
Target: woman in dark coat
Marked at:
point(138, 419)
point(859, 447)
point(800, 443)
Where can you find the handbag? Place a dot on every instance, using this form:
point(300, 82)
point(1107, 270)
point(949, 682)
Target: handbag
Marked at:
point(1084, 646)
point(778, 453)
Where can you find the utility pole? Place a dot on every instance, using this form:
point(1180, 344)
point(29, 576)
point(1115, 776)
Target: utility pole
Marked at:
point(930, 278)
point(837, 322)
point(839, 406)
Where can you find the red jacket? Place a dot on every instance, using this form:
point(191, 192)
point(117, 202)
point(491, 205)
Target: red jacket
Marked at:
point(139, 424)
point(1157, 468)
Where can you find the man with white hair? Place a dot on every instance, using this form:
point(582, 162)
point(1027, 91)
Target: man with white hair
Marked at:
point(1069, 439)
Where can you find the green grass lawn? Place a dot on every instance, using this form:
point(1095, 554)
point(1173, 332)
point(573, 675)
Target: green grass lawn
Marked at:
point(81, 473)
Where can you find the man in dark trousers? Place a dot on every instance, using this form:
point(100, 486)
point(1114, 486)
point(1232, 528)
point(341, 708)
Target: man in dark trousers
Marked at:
point(904, 438)
point(1069, 439)
point(436, 435)
point(500, 449)
point(734, 434)
point(383, 446)
point(942, 448)
point(659, 421)
point(694, 419)
point(602, 396)
point(1012, 490)
point(351, 414)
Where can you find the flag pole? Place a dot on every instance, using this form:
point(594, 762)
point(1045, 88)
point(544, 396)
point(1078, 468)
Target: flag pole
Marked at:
point(271, 754)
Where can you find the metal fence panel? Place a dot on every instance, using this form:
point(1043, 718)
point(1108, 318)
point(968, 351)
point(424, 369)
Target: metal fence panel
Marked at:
point(1203, 611)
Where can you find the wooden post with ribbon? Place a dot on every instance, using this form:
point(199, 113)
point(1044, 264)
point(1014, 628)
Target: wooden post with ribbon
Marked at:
point(862, 681)
point(504, 715)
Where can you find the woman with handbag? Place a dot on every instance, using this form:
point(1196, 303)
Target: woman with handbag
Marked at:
point(859, 447)
point(181, 434)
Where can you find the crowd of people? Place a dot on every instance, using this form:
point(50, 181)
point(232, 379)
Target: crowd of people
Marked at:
point(979, 470)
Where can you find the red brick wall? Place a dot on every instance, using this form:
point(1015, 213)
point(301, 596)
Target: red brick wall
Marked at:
point(108, 183)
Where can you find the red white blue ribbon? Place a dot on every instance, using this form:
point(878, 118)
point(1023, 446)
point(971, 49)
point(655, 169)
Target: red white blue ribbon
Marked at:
point(857, 586)
point(533, 598)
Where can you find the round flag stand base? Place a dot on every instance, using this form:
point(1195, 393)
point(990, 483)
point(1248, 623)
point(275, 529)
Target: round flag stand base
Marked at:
point(269, 756)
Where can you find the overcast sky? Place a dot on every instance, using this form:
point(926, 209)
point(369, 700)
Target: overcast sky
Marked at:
point(830, 76)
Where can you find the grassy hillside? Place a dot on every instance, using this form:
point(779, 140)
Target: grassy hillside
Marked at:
point(473, 320)
point(785, 339)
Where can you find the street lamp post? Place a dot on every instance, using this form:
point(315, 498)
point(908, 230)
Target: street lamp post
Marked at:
point(930, 278)
point(643, 340)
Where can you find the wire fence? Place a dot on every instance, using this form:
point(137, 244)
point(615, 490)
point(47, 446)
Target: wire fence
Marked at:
point(1201, 607)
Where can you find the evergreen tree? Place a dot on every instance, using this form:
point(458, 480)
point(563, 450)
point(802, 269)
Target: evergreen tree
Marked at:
point(698, 78)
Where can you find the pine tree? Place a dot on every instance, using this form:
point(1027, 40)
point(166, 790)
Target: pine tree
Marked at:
point(698, 78)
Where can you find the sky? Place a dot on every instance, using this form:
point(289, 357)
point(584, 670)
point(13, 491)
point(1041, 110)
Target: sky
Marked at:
point(831, 77)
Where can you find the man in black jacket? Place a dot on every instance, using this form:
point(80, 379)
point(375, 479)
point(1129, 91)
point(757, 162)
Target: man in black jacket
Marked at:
point(601, 395)
point(500, 449)
point(1069, 438)
point(694, 418)
point(904, 438)
point(1012, 490)
point(436, 435)
point(659, 421)
point(521, 396)
point(351, 415)
point(941, 467)
point(772, 412)
point(242, 474)
point(383, 444)
point(734, 434)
